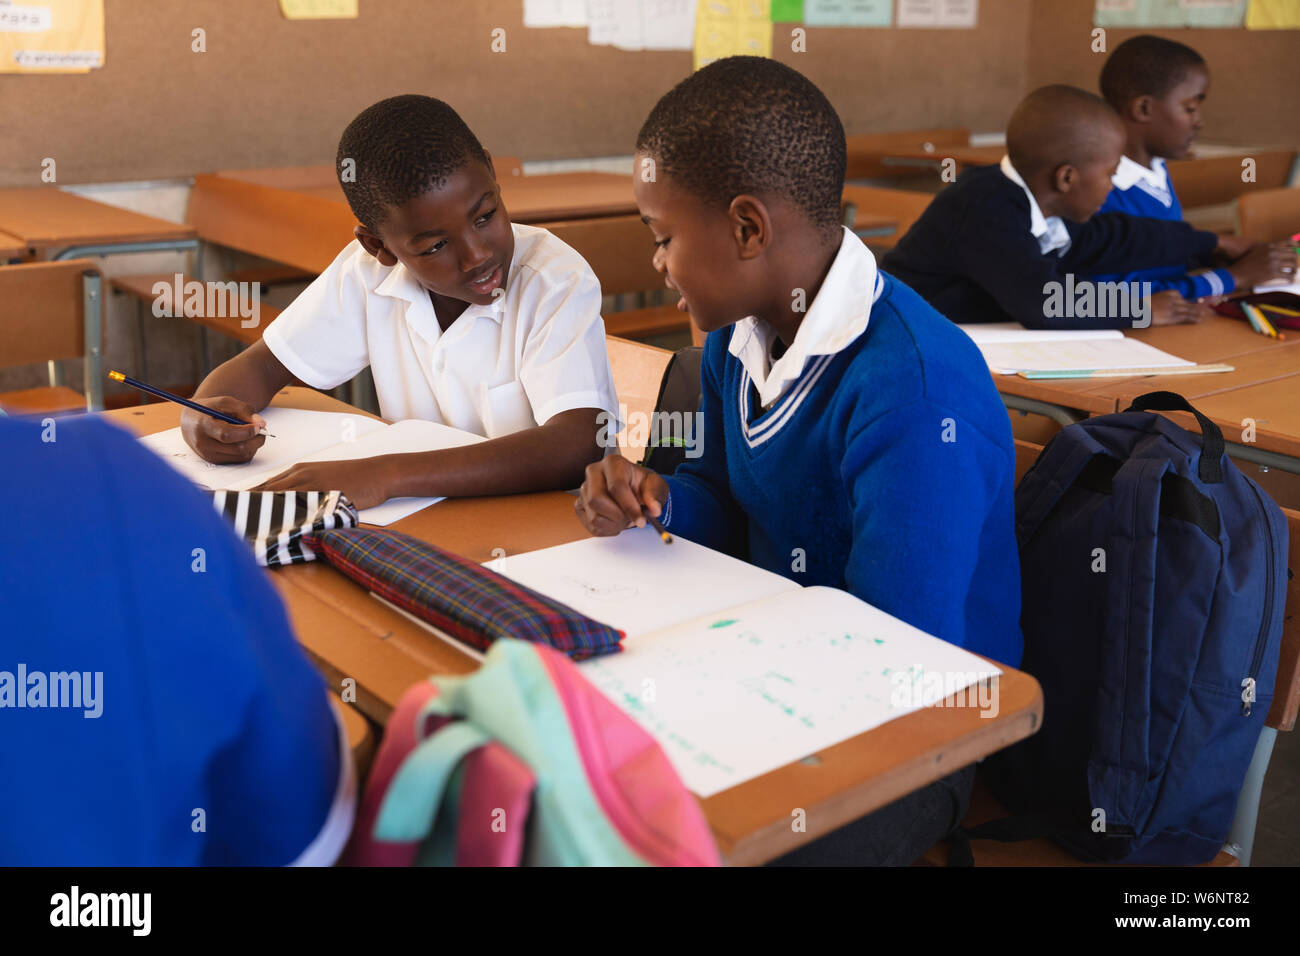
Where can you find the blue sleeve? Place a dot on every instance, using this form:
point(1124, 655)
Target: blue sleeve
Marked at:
point(216, 743)
point(1213, 282)
point(1113, 242)
point(916, 556)
point(700, 505)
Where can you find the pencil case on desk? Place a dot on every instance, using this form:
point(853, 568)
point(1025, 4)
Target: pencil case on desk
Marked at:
point(1282, 300)
point(274, 523)
point(460, 597)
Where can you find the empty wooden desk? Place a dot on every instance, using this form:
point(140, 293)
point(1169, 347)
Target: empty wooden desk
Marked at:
point(61, 225)
point(963, 156)
point(350, 634)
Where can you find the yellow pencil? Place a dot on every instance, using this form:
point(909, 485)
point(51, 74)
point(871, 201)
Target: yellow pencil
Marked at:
point(1258, 321)
point(1279, 310)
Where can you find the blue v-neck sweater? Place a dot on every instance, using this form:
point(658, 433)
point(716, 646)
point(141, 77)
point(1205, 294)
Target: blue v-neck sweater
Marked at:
point(886, 470)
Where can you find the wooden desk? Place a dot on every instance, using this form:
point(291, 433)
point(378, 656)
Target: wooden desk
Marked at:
point(49, 219)
point(299, 216)
point(11, 247)
point(349, 634)
point(963, 155)
point(1266, 370)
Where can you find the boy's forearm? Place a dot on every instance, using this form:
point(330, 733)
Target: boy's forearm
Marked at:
point(254, 376)
point(553, 456)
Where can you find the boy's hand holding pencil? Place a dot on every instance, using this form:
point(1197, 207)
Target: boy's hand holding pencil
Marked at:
point(618, 495)
point(221, 442)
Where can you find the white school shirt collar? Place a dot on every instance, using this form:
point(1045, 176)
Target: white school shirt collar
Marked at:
point(837, 316)
point(401, 284)
point(1049, 231)
point(1153, 181)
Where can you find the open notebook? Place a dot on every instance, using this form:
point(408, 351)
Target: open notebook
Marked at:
point(314, 436)
point(1009, 347)
point(736, 671)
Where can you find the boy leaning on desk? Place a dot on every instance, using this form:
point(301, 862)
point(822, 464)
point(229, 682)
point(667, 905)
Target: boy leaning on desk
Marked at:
point(464, 318)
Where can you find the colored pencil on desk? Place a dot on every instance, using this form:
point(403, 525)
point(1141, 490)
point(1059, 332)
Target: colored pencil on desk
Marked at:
point(231, 419)
point(1257, 319)
point(1278, 309)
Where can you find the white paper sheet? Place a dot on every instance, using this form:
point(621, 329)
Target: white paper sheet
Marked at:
point(404, 437)
point(636, 583)
point(1009, 347)
point(555, 13)
point(315, 436)
point(298, 433)
point(737, 694)
point(668, 24)
point(1080, 355)
point(982, 332)
point(1279, 286)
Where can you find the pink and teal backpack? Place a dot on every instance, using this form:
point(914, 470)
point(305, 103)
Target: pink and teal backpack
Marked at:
point(523, 762)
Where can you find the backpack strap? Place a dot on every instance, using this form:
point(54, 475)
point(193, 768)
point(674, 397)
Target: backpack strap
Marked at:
point(1210, 467)
point(1052, 475)
point(1120, 764)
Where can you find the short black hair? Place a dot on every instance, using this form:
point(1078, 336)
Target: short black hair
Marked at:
point(401, 148)
point(1058, 124)
point(1146, 65)
point(748, 124)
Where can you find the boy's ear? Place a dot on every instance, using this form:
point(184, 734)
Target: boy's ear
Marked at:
point(1139, 109)
point(1065, 177)
point(751, 225)
point(375, 246)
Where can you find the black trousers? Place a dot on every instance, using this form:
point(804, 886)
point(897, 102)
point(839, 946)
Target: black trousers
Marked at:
point(895, 835)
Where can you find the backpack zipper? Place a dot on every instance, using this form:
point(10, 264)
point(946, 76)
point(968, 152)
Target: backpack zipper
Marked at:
point(1268, 605)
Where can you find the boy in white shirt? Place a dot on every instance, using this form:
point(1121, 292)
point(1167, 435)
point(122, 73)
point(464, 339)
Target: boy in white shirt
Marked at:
point(464, 319)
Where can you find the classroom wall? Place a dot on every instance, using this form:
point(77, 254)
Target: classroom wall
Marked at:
point(1254, 96)
point(271, 92)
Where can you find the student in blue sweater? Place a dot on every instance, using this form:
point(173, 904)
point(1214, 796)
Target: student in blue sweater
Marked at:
point(852, 436)
point(1016, 242)
point(1157, 86)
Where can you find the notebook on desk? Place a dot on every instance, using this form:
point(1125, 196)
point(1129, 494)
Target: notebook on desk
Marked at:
point(1009, 348)
point(737, 671)
point(302, 435)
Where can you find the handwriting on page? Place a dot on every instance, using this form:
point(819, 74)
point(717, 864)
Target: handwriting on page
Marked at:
point(745, 691)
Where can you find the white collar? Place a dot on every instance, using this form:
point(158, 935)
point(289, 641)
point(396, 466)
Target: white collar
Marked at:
point(1050, 232)
point(401, 284)
point(835, 319)
point(1153, 181)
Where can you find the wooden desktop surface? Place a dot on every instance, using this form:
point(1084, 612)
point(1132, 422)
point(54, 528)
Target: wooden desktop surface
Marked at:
point(350, 634)
point(964, 155)
point(11, 246)
point(1256, 359)
point(580, 195)
point(47, 217)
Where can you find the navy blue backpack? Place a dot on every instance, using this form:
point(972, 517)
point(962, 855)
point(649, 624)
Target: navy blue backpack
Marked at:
point(1154, 577)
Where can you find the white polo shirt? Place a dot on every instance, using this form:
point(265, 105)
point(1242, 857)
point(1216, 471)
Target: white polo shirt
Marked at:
point(1153, 181)
point(536, 351)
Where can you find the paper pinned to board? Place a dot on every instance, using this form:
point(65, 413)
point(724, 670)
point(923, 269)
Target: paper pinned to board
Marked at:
point(319, 9)
point(742, 692)
point(51, 36)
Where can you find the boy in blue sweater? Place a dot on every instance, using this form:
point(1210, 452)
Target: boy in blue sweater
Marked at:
point(1157, 86)
point(852, 436)
point(1009, 243)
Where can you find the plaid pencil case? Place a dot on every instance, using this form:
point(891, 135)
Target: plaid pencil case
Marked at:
point(274, 523)
point(460, 597)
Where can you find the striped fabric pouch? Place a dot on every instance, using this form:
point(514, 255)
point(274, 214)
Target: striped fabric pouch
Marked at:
point(275, 522)
point(460, 597)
